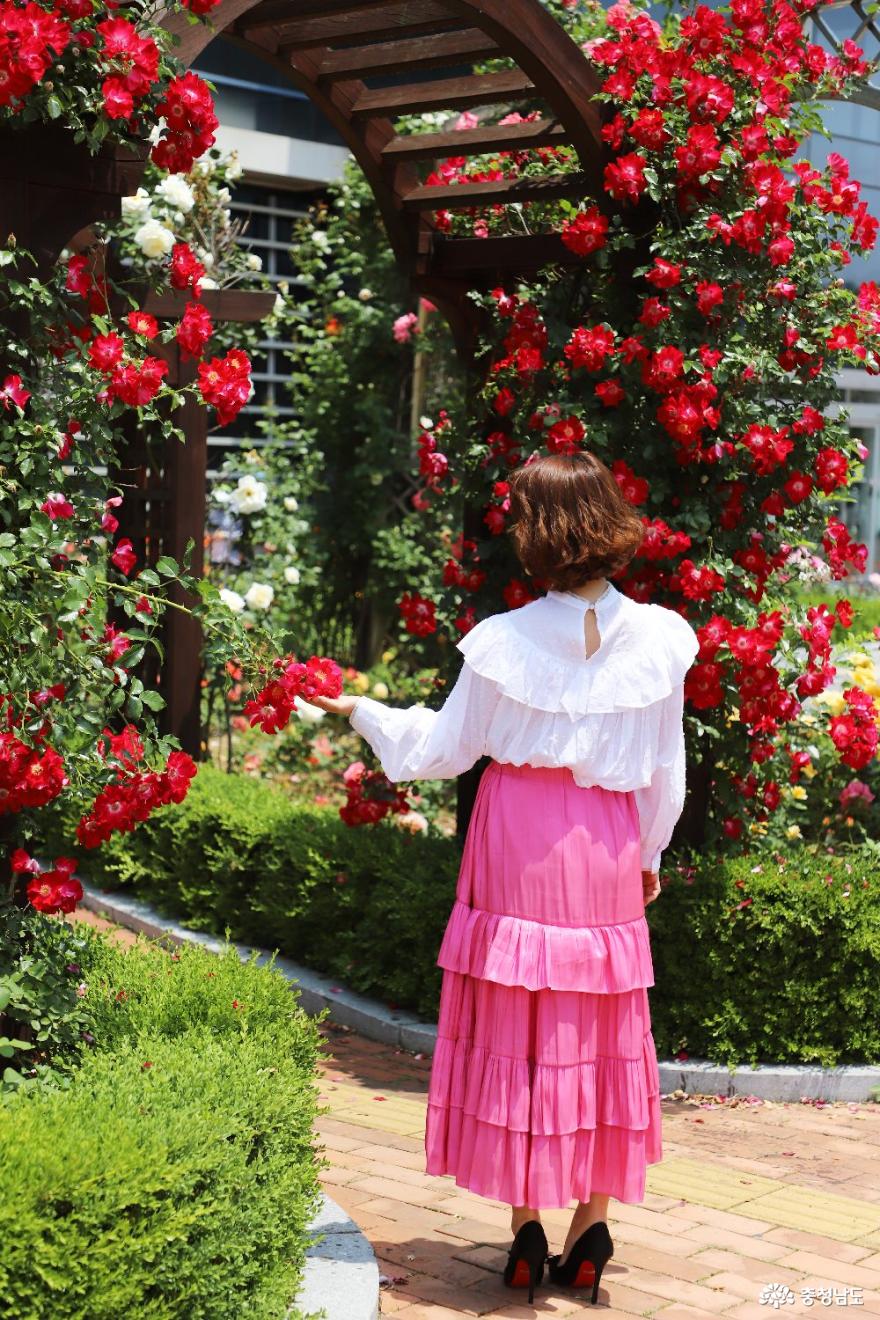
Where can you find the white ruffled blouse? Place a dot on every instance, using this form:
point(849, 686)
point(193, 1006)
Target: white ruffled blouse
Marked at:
point(528, 694)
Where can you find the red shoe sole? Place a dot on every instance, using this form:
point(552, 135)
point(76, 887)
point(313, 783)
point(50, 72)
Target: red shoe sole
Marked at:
point(520, 1275)
point(585, 1275)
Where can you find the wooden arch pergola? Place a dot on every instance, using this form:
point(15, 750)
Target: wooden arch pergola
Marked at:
point(344, 53)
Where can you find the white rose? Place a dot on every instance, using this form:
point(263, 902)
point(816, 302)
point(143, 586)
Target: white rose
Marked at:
point(426, 423)
point(380, 690)
point(224, 196)
point(254, 261)
point(365, 295)
point(207, 283)
point(320, 239)
point(308, 713)
point(233, 166)
point(156, 132)
point(232, 600)
point(153, 239)
point(259, 596)
point(175, 190)
point(249, 495)
point(413, 821)
point(138, 207)
point(291, 504)
point(205, 257)
point(292, 575)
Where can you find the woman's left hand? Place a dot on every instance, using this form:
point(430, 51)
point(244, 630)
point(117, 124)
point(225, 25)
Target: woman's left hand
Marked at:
point(343, 705)
point(650, 885)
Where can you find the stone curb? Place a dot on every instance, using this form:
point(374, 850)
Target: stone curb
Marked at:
point(370, 1017)
point(341, 1275)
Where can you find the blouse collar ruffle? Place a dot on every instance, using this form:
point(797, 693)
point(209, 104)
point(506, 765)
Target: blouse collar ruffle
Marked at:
point(535, 653)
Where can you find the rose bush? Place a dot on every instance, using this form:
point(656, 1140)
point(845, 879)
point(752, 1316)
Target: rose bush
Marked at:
point(80, 361)
point(693, 348)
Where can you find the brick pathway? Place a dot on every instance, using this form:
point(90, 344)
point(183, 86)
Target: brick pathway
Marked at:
point(746, 1195)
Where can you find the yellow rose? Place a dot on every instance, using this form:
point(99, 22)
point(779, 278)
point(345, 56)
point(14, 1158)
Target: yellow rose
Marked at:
point(799, 793)
point(380, 690)
point(809, 771)
point(360, 683)
point(832, 700)
point(388, 656)
point(793, 832)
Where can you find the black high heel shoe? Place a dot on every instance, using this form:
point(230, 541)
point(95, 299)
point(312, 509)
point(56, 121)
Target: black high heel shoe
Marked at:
point(586, 1260)
point(525, 1259)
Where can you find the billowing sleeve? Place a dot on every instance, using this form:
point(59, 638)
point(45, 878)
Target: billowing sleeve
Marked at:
point(414, 742)
point(660, 803)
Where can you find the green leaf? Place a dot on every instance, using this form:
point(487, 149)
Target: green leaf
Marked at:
point(152, 700)
point(167, 566)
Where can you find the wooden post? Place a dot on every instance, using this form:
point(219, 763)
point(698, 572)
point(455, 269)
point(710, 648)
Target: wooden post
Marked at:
point(164, 509)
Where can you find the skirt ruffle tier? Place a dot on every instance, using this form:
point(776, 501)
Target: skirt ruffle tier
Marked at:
point(544, 1085)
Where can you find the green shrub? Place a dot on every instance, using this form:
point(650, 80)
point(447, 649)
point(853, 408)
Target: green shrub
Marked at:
point(787, 979)
point(758, 960)
point(241, 855)
point(175, 1176)
point(43, 1019)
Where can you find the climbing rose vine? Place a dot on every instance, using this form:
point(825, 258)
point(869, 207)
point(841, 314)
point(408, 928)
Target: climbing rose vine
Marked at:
point(81, 365)
point(692, 343)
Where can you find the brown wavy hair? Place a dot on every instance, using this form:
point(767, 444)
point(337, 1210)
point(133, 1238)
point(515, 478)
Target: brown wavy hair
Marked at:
point(569, 521)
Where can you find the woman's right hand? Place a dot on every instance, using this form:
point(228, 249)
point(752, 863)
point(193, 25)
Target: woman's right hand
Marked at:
point(650, 885)
point(343, 705)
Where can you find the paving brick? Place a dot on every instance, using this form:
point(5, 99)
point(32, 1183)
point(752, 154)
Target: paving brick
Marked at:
point(477, 1231)
point(677, 1312)
point(400, 1159)
point(760, 1248)
point(649, 1237)
point(835, 1271)
point(676, 1267)
point(714, 1259)
point(794, 1237)
point(403, 1192)
point(488, 1258)
point(614, 1292)
point(729, 1282)
point(622, 1212)
point(736, 1223)
point(678, 1290)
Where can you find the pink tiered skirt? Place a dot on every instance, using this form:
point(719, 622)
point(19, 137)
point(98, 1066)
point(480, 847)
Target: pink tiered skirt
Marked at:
point(544, 1084)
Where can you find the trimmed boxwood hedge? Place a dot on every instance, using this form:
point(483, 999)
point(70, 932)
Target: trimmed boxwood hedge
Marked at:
point(789, 977)
point(173, 1173)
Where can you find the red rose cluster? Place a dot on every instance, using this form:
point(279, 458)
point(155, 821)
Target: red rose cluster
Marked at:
point(419, 614)
point(273, 706)
point(225, 383)
point(855, 734)
point(132, 67)
point(52, 891)
point(136, 793)
point(30, 39)
point(29, 776)
point(131, 382)
point(371, 796)
point(190, 122)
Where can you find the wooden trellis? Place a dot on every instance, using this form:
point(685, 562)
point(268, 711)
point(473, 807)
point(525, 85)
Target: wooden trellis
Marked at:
point(341, 52)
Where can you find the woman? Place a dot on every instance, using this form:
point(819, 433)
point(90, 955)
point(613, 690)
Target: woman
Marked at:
point(544, 1084)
